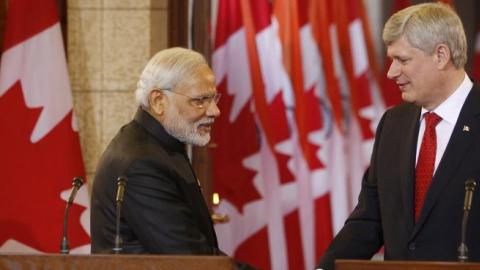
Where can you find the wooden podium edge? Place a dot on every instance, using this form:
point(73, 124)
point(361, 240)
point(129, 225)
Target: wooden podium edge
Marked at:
point(404, 265)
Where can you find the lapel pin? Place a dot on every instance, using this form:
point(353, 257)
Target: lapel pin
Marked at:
point(466, 128)
point(198, 182)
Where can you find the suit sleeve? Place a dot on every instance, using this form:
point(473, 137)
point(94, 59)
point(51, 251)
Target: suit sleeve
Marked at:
point(156, 212)
point(361, 236)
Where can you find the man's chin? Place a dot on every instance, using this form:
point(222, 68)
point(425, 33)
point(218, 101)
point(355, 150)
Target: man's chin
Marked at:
point(407, 98)
point(201, 140)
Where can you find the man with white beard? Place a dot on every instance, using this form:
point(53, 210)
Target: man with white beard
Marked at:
point(163, 209)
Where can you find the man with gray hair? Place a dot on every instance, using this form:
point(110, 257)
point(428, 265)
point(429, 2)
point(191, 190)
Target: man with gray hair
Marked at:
point(425, 149)
point(163, 210)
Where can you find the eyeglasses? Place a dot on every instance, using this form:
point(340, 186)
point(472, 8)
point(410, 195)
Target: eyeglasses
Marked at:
point(199, 102)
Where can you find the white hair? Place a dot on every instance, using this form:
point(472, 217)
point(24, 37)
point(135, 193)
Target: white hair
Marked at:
point(166, 70)
point(427, 25)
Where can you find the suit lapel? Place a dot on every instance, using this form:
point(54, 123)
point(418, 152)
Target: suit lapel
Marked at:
point(194, 197)
point(408, 180)
point(456, 151)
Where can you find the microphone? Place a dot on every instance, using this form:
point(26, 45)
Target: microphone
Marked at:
point(121, 183)
point(470, 185)
point(76, 183)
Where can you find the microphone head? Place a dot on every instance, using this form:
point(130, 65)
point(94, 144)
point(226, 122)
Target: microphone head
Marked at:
point(77, 181)
point(122, 181)
point(470, 184)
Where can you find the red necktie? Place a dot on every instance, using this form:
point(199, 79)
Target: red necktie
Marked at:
point(426, 161)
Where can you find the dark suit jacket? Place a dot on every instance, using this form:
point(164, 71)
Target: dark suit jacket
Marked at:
point(384, 214)
point(163, 210)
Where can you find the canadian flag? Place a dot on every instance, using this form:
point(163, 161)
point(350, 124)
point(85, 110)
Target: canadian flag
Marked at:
point(281, 163)
point(310, 129)
point(296, 127)
point(253, 136)
point(39, 140)
point(365, 102)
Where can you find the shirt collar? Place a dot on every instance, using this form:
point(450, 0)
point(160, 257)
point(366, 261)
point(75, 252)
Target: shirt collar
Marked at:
point(449, 110)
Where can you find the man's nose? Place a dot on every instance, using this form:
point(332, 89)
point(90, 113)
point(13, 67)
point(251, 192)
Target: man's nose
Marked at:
point(213, 110)
point(393, 71)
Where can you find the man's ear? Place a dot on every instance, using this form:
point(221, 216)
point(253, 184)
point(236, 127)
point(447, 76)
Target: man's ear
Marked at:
point(442, 55)
point(156, 100)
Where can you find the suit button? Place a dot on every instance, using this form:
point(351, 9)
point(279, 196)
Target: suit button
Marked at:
point(411, 246)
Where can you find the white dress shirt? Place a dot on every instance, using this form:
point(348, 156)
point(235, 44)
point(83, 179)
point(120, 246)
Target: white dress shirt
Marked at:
point(449, 110)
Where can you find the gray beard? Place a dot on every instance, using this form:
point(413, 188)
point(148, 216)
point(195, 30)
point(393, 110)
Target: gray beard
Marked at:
point(184, 131)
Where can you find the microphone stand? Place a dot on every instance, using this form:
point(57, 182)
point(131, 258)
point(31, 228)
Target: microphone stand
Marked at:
point(121, 183)
point(469, 189)
point(76, 183)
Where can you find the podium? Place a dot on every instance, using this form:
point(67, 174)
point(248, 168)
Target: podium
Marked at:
point(113, 262)
point(403, 265)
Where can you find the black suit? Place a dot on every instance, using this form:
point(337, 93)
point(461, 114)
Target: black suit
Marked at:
point(385, 211)
point(163, 210)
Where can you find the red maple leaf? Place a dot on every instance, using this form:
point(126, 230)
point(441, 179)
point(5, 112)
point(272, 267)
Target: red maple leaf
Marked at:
point(314, 122)
point(276, 110)
point(235, 142)
point(33, 175)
